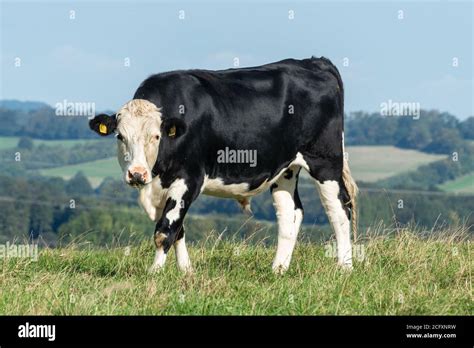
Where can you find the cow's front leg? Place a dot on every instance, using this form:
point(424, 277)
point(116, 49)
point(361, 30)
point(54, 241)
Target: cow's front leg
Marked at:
point(169, 229)
point(182, 257)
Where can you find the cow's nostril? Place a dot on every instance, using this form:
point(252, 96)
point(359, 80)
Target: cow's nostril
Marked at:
point(137, 176)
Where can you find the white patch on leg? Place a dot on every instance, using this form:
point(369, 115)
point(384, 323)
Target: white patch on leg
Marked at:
point(176, 193)
point(289, 222)
point(298, 219)
point(329, 192)
point(182, 256)
point(159, 262)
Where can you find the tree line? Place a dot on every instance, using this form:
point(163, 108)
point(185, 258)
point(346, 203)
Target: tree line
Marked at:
point(433, 131)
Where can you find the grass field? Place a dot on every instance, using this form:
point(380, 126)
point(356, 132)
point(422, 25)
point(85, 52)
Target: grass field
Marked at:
point(372, 163)
point(10, 142)
point(463, 184)
point(368, 163)
point(95, 171)
point(392, 275)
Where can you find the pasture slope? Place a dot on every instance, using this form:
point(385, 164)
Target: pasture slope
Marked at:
point(401, 274)
point(463, 184)
point(11, 142)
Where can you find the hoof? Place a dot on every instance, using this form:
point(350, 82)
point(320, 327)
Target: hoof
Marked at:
point(186, 269)
point(154, 269)
point(279, 269)
point(346, 266)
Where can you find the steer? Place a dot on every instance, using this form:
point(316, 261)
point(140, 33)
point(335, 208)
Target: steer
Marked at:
point(234, 134)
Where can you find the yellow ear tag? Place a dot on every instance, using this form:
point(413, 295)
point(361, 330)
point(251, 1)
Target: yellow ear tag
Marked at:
point(172, 131)
point(102, 128)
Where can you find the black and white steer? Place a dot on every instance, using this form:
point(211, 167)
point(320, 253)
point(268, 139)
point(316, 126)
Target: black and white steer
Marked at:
point(193, 131)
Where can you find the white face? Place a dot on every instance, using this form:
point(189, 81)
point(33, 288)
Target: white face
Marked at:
point(138, 140)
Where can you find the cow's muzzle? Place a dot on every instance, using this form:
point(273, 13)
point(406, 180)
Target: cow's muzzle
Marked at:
point(137, 177)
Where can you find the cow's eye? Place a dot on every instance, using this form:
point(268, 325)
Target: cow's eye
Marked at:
point(119, 137)
point(157, 137)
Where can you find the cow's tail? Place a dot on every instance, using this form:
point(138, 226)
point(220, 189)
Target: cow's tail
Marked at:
point(352, 190)
point(347, 178)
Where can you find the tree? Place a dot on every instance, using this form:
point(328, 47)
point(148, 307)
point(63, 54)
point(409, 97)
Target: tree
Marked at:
point(25, 143)
point(466, 128)
point(79, 185)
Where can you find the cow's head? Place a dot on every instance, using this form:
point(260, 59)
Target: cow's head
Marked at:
point(137, 126)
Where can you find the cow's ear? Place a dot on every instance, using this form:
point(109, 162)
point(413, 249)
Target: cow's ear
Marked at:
point(173, 127)
point(103, 124)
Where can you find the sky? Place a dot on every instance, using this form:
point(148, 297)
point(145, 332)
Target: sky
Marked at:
point(100, 52)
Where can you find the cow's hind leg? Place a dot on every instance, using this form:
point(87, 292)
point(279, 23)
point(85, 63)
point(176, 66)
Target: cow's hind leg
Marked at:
point(336, 202)
point(329, 191)
point(289, 212)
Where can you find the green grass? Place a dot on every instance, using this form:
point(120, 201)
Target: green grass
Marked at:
point(397, 275)
point(8, 142)
point(372, 163)
point(463, 184)
point(11, 142)
point(95, 171)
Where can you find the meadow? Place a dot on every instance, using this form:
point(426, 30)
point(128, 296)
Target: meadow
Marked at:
point(95, 171)
point(396, 274)
point(11, 142)
point(463, 184)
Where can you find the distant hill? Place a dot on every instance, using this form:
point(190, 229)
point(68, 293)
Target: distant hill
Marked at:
point(13, 104)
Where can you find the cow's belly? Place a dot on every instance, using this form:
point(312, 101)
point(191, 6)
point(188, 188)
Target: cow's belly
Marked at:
point(216, 187)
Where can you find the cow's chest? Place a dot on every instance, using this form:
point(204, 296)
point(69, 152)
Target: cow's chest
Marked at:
point(152, 199)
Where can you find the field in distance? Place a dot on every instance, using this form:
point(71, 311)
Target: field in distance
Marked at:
point(368, 163)
point(372, 163)
point(95, 171)
point(11, 142)
point(463, 184)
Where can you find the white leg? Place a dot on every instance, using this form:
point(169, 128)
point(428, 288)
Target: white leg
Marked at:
point(182, 256)
point(159, 262)
point(329, 192)
point(289, 220)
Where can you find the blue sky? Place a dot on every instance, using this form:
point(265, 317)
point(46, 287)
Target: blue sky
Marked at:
point(82, 59)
